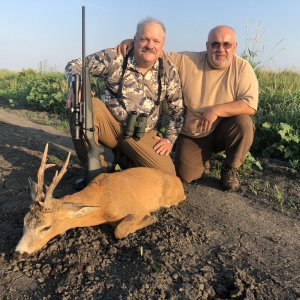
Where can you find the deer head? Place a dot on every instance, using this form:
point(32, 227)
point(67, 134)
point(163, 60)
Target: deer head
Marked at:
point(41, 223)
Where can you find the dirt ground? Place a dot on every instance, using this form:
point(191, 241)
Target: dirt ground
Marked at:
point(214, 245)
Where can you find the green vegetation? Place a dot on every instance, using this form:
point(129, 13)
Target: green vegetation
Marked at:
point(35, 90)
point(277, 120)
point(39, 92)
point(279, 197)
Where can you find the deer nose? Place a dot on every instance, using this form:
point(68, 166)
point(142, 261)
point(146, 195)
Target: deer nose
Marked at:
point(20, 256)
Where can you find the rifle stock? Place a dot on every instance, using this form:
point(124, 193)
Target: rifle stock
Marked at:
point(94, 149)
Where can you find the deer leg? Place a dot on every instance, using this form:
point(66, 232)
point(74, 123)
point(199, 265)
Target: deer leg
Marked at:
point(131, 224)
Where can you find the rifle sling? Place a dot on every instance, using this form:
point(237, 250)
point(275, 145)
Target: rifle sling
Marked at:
point(120, 89)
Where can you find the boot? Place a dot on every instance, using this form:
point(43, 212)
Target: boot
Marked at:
point(229, 178)
point(80, 183)
point(122, 160)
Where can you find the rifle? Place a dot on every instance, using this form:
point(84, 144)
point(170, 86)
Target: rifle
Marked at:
point(82, 115)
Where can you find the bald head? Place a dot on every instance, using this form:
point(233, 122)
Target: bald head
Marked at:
point(221, 28)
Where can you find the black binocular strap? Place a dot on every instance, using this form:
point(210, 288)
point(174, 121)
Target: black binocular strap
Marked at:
point(159, 76)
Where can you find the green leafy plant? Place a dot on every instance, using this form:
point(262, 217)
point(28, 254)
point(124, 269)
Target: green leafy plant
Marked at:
point(11, 102)
point(286, 141)
point(254, 187)
point(294, 163)
point(49, 93)
point(278, 196)
point(250, 162)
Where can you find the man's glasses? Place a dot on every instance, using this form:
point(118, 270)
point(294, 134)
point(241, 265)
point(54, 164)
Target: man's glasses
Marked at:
point(217, 45)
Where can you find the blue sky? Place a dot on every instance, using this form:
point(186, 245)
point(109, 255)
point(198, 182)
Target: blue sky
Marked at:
point(49, 31)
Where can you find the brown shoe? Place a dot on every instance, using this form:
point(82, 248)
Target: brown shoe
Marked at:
point(229, 178)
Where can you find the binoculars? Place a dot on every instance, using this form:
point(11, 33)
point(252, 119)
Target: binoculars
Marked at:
point(136, 125)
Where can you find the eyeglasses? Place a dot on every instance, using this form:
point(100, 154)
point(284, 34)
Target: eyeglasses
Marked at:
point(217, 45)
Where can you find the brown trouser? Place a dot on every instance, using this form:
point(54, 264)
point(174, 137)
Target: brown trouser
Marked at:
point(109, 133)
point(234, 135)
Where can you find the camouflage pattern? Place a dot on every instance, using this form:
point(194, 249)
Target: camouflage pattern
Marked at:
point(139, 93)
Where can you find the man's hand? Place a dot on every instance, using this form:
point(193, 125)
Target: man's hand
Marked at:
point(207, 118)
point(69, 99)
point(163, 147)
point(125, 47)
point(225, 110)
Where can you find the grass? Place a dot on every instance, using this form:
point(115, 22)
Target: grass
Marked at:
point(279, 97)
point(278, 118)
point(54, 120)
point(58, 121)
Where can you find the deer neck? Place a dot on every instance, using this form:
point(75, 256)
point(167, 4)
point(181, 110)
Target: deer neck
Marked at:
point(73, 212)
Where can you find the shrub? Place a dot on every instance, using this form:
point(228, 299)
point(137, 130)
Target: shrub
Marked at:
point(49, 93)
point(37, 90)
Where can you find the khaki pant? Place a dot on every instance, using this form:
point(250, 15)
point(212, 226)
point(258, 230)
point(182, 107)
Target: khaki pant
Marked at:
point(234, 135)
point(109, 133)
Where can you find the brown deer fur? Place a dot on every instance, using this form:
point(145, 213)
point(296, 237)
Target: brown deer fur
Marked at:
point(125, 198)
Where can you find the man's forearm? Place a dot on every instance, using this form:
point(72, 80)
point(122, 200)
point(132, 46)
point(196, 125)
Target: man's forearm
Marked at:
point(174, 128)
point(234, 108)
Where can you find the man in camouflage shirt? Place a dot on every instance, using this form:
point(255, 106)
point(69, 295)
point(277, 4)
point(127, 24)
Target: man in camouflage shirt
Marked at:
point(138, 84)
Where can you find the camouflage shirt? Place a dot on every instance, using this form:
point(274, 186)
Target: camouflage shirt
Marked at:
point(139, 92)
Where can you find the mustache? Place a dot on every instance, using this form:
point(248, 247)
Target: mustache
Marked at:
point(149, 50)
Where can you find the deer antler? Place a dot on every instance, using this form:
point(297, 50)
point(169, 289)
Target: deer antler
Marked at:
point(57, 178)
point(40, 185)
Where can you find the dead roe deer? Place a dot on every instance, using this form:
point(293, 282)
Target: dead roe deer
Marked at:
point(125, 199)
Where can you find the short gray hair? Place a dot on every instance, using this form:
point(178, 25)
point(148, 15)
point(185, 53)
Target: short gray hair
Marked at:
point(146, 21)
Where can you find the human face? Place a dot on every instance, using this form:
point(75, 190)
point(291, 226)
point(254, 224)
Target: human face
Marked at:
point(149, 43)
point(221, 46)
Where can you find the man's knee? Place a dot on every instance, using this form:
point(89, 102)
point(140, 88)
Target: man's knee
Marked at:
point(142, 154)
point(188, 177)
point(188, 159)
point(98, 106)
point(246, 129)
point(244, 125)
point(236, 130)
point(187, 173)
point(239, 135)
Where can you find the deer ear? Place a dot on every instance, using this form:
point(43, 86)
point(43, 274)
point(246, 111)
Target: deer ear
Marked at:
point(33, 188)
point(77, 211)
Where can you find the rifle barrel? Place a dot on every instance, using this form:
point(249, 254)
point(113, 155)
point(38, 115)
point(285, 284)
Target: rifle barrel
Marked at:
point(94, 150)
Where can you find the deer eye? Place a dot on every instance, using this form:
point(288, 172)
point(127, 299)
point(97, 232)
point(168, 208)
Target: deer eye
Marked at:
point(46, 228)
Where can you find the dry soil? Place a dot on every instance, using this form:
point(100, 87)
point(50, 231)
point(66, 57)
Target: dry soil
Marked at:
point(214, 245)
